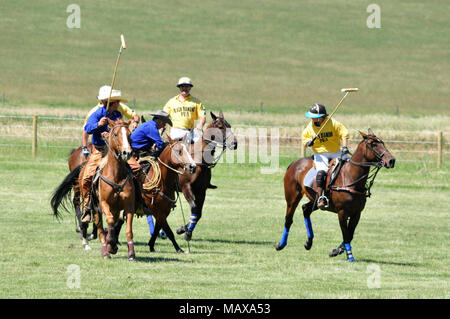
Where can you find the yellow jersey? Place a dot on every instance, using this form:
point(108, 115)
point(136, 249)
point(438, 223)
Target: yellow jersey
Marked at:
point(123, 109)
point(329, 139)
point(184, 113)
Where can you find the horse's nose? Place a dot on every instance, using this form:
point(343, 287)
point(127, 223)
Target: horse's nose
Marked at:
point(126, 155)
point(192, 168)
point(391, 163)
point(234, 145)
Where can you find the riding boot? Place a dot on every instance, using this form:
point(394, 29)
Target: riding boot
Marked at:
point(322, 200)
point(86, 216)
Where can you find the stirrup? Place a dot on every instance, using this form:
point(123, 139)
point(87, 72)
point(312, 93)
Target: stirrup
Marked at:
point(324, 198)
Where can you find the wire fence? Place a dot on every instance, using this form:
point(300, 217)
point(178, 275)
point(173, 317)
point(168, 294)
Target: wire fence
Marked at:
point(47, 132)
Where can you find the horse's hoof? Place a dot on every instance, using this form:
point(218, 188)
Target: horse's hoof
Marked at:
point(181, 230)
point(335, 252)
point(91, 237)
point(308, 244)
point(278, 247)
point(188, 235)
point(180, 251)
point(78, 229)
point(132, 258)
point(87, 247)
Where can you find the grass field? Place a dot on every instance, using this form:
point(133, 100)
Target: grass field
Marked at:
point(263, 62)
point(403, 235)
point(284, 54)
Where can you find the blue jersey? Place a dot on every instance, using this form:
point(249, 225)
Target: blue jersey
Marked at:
point(92, 127)
point(145, 135)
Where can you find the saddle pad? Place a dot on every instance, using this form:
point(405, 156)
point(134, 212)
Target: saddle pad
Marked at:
point(310, 177)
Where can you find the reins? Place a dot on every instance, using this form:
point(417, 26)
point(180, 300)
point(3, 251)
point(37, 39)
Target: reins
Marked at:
point(118, 188)
point(374, 167)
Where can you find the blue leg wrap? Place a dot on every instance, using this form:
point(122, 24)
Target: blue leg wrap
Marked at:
point(348, 249)
point(151, 226)
point(309, 230)
point(284, 237)
point(192, 222)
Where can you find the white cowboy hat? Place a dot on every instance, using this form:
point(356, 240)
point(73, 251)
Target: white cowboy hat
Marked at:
point(184, 81)
point(116, 95)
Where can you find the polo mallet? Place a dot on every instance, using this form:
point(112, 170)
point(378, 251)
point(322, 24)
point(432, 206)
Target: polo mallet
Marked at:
point(347, 91)
point(123, 46)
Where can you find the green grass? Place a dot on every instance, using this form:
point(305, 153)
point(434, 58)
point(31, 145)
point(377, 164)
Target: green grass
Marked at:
point(263, 63)
point(284, 54)
point(403, 231)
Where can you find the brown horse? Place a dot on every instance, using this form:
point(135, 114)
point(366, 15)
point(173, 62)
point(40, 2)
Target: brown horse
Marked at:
point(347, 190)
point(217, 133)
point(116, 190)
point(161, 199)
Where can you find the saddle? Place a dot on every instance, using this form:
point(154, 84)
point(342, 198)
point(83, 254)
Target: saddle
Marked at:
point(333, 172)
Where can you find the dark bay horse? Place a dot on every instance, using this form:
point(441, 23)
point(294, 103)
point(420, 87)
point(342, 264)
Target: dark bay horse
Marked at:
point(347, 193)
point(77, 158)
point(161, 199)
point(217, 133)
point(115, 191)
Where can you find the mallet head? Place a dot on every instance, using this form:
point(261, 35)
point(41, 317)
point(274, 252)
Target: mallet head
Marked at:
point(122, 39)
point(349, 90)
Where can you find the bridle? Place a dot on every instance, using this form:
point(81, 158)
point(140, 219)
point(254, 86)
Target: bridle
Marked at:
point(214, 143)
point(114, 142)
point(178, 158)
point(379, 163)
point(370, 175)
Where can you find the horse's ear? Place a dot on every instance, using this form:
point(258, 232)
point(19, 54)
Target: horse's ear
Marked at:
point(171, 141)
point(213, 116)
point(143, 119)
point(370, 132)
point(364, 135)
point(128, 123)
point(221, 114)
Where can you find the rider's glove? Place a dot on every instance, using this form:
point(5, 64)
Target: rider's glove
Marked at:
point(310, 143)
point(344, 150)
point(85, 151)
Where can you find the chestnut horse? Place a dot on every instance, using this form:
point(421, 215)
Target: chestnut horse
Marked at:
point(217, 133)
point(115, 191)
point(161, 199)
point(347, 192)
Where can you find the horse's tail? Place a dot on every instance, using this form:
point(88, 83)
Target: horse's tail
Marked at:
point(61, 193)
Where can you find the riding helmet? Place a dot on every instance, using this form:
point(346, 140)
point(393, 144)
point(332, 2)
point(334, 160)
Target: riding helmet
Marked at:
point(316, 111)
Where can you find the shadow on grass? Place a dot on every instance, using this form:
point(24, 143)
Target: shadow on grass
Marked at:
point(393, 263)
point(237, 242)
point(150, 259)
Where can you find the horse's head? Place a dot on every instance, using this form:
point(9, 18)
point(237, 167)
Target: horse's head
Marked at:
point(180, 157)
point(219, 132)
point(375, 150)
point(119, 139)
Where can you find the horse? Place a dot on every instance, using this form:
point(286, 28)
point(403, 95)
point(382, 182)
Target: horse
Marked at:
point(217, 133)
point(161, 199)
point(114, 192)
point(77, 158)
point(346, 190)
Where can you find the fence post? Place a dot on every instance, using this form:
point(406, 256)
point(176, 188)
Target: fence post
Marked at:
point(440, 144)
point(34, 141)
point(302, 147)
